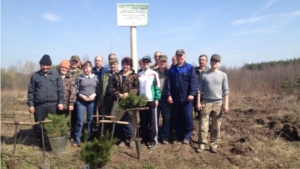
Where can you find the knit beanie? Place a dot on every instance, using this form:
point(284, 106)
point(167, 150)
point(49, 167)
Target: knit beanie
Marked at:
point(64, 64)
point(46, 60)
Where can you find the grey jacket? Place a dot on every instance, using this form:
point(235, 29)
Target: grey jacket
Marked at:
point(45, 89)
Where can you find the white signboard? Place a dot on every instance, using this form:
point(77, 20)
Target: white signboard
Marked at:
point(132, 14)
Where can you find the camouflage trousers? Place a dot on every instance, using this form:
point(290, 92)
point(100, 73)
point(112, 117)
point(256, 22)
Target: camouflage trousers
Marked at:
point(213, 111)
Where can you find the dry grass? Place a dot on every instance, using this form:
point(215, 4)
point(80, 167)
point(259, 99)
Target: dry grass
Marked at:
point(247, 141)
point(254, 144)
point(252, 132)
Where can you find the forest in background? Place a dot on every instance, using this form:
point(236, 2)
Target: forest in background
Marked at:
point(276, 77)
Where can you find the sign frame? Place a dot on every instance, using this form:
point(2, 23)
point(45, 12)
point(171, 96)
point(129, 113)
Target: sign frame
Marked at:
point(132, 14)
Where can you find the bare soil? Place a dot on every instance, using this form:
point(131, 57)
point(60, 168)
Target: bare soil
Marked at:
point(258, 132)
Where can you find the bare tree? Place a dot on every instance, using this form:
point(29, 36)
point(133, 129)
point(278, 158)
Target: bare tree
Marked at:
point(85, 58)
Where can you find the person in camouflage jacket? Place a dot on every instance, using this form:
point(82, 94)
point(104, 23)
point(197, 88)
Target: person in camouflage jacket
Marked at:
point(69, 88)
point(123, 82)
point(74, 70)
point(120, 87)
point(73, 73)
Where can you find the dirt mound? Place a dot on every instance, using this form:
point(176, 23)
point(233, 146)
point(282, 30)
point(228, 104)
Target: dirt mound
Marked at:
point(291, 127)
point(242, 146)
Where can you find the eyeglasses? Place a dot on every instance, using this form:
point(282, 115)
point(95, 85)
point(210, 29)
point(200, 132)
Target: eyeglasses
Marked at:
point(213, 60)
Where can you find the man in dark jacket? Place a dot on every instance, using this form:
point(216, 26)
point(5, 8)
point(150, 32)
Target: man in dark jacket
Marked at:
point(181, 89)
point(99, 70)
point(45, 94)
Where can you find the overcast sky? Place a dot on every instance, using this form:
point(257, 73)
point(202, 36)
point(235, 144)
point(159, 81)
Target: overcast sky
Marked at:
point(240, 31)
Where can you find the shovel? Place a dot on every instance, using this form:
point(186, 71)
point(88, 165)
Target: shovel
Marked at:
point(44, 166)
point(13, 162)
point(114, 122)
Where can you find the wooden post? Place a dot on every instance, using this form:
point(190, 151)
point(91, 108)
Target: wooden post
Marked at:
point(133, 47)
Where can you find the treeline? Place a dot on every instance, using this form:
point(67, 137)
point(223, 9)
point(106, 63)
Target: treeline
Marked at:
point(17, 76)
point(263, 78)
point(271, 64)
point(266, 77)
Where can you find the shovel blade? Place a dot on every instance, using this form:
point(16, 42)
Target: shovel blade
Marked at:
point(138, 148)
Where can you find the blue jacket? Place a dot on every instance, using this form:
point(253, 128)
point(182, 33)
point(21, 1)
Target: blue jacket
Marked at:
point(45, 89)
point(182, 82)
point(100, 72)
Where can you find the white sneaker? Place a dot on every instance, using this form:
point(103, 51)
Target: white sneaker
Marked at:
point(122, 144)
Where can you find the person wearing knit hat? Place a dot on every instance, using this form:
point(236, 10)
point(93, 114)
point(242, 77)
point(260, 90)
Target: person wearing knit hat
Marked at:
point(45, 63)
point(45, 95)
point(69, 88)
point(64, 64)
point(46, 60)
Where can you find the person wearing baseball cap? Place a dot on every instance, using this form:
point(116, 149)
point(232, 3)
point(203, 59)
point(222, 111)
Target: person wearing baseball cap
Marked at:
point(73, 73)
point(150, 86)
point(213, 87)
point(45, 95)
point(181, 89)
point(163, 106)
point(105, 97)
point(75, 64)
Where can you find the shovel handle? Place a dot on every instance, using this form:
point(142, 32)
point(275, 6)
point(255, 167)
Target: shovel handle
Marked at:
point(109, 121)
point(110, 117)
point(25, 123)
point(136, 109)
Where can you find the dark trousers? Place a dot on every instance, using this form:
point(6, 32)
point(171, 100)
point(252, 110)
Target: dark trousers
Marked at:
point(64, 112)
point(95, 119)
point(106, 110)
point(164, 110)
point(148, 123)
point(40, 114)
point(125, 131)
point(73, 120)
point(107, 106)
point(183, 120)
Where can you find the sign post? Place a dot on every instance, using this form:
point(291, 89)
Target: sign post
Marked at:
point(133, 15)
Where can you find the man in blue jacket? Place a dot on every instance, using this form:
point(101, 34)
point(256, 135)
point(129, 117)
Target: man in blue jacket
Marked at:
point(45, 95)
point(181, 89)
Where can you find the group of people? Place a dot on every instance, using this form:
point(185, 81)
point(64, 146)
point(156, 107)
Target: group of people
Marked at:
point(172, 92)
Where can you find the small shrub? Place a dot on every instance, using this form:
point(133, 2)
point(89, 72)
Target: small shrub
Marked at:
point(97, 153)
point(132, 101)
point(58, 127)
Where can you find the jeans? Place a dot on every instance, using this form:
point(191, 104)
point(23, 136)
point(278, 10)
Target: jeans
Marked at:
point(125, 131)
point(82, 107)
point(163, 108)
